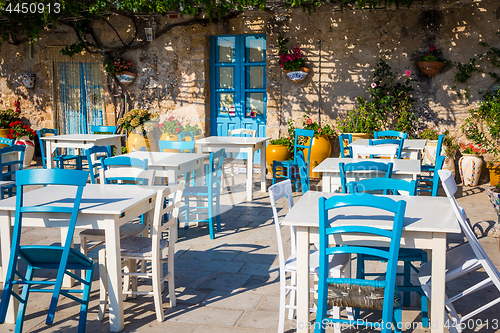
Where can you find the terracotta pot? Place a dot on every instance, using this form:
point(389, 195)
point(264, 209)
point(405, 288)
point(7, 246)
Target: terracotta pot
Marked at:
point(320, 150)
point(470, 169)
point(431, 68)
point(494, 169)
point(429, 157)
point(139, 142)
point(276, 153)
point(167, 137)
point(298, 76)
point(3, 133)
point(29, 150)
point(126, 77)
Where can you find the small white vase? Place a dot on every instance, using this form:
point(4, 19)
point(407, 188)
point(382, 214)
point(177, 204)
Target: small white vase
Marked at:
point(470, 169)
point(28, 151)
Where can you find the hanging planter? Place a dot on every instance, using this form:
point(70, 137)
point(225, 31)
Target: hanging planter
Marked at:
point(29, 80)
point(125, 77)
point(298, 76)
point(431, 68)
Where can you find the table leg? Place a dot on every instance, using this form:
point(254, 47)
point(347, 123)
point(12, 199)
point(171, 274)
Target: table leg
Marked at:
point(113, 266)
point(249, 174)
point(438, 282)
point(327, 186)
point(263, 168)
point(5, 241)
point(302, 280)
point(49, 151)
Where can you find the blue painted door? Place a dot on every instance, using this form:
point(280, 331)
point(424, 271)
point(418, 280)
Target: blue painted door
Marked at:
point(238, 81)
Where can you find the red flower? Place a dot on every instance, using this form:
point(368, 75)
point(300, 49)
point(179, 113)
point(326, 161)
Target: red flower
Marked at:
point(179, 124)
point(177, 130)
point(10, 136)
point(11, 130)
point(432, 48)
point(11, 124)
point(309, 121)
point(470, 145)
point(171, 118)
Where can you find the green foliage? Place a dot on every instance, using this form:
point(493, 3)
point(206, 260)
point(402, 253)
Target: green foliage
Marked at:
point(432, 55)
point(289, 60)
point(309, 124)
point(193, 128)
point(361, 119)
point(114, 66)
point(8, 116)
point(450, 144)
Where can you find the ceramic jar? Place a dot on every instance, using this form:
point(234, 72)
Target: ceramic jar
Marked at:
point(470, 169)
point(29, 150)
point(429, 156)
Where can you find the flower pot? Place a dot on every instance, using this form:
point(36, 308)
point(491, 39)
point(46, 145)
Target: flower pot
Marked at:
point(494, 169)
point(431, 68)
point(3, 133)
point(29, 150)
point(429, 157)
point(470, 168)
point(276, 153)
point(298, 76)
point(320, 150)
point(494, 198)
point(167, 137)
point(125, 77)
point(29, 80)
point(140, 142)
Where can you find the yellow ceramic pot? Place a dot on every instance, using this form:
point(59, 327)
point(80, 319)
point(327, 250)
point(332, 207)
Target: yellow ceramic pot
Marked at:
point(276, 153)
point(166, 137)
point(320, 150)
point(3, 133)
point(139, 142)
point(494, 169)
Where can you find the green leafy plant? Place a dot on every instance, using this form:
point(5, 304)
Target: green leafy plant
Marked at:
point(138, 121)
point(432, 55)
point(470, 148)
point(7, 117)
point(192, 128)
point(171, 126)
point(289, 60)
point(114, 66)
point(308, 123)
point(18, 130)
point(449, 142)
point(359, 119)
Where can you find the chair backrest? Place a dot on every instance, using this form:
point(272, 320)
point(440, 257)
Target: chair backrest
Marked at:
point(95, 155)
point(383, 184)
point(394, 134)
point(41, 133)
point(308, 135)
point(364, 151)
point(366, 166)
point(8, 168)
point(242, 132)
point(345, 149)
point(214, 172)
point(398, 142)
point(303, 172)
point(185, 134)
point(94, 129)
point(127, 176)
point(116, 161)
point(327, 229)
point(450, 187)
point(276, 192)
point(168, 202)
point(181, 146)
point(7, 141)
point(439, 146)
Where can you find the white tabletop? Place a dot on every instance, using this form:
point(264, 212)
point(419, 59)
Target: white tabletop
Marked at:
point(166, 159)
point(233, 140)
point(423, 213)
point(409, 144)
point(400, 166)
point(81, 137)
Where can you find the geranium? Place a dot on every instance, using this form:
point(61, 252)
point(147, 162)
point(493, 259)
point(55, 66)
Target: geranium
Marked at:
point(432, 55)
point(308, 123)
point(289, 60)
point(470, 148)
point(7, 117)
point(171, 126)
point(138, 121)
point(18, 130)
point(114, 66)
point(408, 72)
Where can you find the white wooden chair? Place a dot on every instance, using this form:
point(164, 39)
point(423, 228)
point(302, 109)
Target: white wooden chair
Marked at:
point(230, 157)
point(365, 151)
point(462, 260)
point(151, 249)
point(338, 263)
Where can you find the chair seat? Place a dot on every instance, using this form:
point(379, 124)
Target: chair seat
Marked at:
point(195, 191)
point(66, 157)
point(404, 254)
point(427, 168)
point(134, 246)
point(49, 257)
point(359, 294)
point(128, 229)
point(285, 163)
point(338, 261)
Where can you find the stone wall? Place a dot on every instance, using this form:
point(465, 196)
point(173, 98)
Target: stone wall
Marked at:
point(174, 69)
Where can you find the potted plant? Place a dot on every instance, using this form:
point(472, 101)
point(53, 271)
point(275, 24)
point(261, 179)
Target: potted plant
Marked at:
point(431, 62)
point(138, 123)
point(359, 122)
point(121, 69)
point(23, 133)
point(6, 118)
point(292, 61)
point(448, 148)
point(195, 129)
point(278, 150)
point(483, 127)
point(470, 163)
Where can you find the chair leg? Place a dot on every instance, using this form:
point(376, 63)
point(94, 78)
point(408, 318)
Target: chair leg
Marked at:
point(82, 323)
point(211, 219)
point(406, 282)
point(293, 282)
point(424, 309)
point(171, 278)
point(156, 280)
point(397, 320)
point(22, 305)
point(217, 211)
point(281, 322)
point(84, 251)
point(103, 285)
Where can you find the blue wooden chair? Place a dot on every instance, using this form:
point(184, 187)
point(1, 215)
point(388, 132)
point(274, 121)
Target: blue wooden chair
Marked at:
point(60, 258)
point(94, 156)
point(433, 177)
point(9, 168)
point(210, 192)
point(185, 134)
point(357, 293)
point(102, 129)
point(399, 142)
point(60, 159)
point(407, 256)
point(390, 134)
point(345, 150)
point(363, 166)
point(7, 141)
point(288, 169)
point(180, 146)
point(303, 172)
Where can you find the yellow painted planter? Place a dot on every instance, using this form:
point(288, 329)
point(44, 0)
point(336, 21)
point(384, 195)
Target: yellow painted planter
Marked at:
point(276, 153)
point(320, 151)
point(139, 142)
point(3, 133)
point(166, 137)
point(494, 170)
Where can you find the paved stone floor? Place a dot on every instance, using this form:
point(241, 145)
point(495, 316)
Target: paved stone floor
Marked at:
point(230, 284)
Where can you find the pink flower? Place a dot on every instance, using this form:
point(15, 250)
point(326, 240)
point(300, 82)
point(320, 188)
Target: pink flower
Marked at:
point(171, 118)
point(374, 85)
point(407, 72)
point(309, 121)
point(177, 130)
point(432, 48)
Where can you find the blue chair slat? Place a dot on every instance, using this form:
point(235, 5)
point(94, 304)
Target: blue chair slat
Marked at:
point(100, 153)
point(120, 161)
point(288, 169)
point(7, 141)
point(433, 169)
point(211, 191)
point(9, 168)
point(60, 258)
point(379, 184)
point(103, 129)
point(303, 172)
point(181, 146)
point(395, 134)
point(391, 312)
point(345, 151)
point(185, 134)
point(399, 142)
point(60, 159)
point(363, 166)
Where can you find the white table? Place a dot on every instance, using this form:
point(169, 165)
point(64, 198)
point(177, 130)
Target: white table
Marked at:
point(412, 148)
point(103, 207)
point(247, 145)
point(172, 165)
point(427, 221)
point(80, 141)
point(402, 169)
